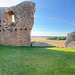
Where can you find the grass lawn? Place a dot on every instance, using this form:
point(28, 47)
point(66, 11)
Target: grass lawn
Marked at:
point(36, 61)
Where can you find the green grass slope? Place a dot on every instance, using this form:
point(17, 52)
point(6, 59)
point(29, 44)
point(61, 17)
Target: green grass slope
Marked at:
point(36, 61)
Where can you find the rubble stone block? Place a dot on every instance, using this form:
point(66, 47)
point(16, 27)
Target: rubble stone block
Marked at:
point(70, 41)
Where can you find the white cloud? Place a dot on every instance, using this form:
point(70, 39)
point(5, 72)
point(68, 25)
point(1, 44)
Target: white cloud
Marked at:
point(8, 3)
point(46, 33)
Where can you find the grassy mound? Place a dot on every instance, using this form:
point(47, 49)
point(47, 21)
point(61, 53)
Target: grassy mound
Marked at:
point(36, 61)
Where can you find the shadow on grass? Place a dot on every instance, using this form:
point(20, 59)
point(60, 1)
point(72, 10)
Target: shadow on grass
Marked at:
point(24, 46)
point(47, 48)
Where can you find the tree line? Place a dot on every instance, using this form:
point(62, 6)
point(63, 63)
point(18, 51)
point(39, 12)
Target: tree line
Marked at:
point(56, 38)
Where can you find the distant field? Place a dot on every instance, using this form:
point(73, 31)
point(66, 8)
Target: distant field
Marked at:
point(59, 43)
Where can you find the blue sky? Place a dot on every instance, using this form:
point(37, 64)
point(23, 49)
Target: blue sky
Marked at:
point(52, 17)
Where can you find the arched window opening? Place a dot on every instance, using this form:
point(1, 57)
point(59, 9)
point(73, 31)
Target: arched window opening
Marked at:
point(13, 18)
point(10, 16)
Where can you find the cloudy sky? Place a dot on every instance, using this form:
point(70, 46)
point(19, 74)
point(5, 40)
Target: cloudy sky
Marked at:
point(52, 17)
point(7, 3)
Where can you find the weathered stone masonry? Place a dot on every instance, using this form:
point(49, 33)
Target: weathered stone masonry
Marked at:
point(70, 41)
point(17, 33)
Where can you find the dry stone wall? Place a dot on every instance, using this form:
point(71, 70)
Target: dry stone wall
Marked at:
point(17, 33)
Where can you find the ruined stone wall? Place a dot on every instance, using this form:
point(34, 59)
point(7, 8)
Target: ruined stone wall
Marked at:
point(70, 41)
point(17, 33)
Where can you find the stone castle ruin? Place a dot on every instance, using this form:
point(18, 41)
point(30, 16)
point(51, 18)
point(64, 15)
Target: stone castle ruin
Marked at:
point(70, 41)
point(16, 23)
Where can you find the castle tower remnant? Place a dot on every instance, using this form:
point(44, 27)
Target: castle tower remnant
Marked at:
point(16, 23)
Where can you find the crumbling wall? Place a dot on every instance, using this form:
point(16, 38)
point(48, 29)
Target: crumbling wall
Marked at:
point(70, 41)
point(17, 33)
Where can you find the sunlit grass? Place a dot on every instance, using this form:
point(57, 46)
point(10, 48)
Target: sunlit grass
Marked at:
point(62, 49)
